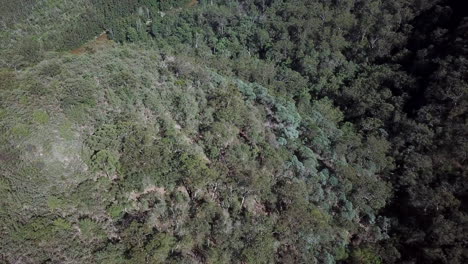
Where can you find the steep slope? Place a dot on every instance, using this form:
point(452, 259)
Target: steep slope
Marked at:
point(123, 155)
point(269, 131)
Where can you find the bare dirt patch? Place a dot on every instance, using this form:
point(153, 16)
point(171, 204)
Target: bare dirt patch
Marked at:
point(192, 3)
point(100, 42)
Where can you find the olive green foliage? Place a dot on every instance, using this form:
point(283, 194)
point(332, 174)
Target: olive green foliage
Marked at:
point(232, 132)
point(164, 158)
point(365, 256)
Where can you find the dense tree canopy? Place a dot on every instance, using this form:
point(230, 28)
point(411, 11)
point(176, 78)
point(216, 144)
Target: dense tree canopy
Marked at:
point(215, 131)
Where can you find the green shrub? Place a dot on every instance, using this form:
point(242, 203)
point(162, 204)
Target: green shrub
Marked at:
point(21, 130)
point(55, 203)
point(7, 80)
point(365, 256)
point(62, 224)
point(40, 117)
point(105, 161)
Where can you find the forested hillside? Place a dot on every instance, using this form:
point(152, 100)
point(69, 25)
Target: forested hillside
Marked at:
point(248, 131)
